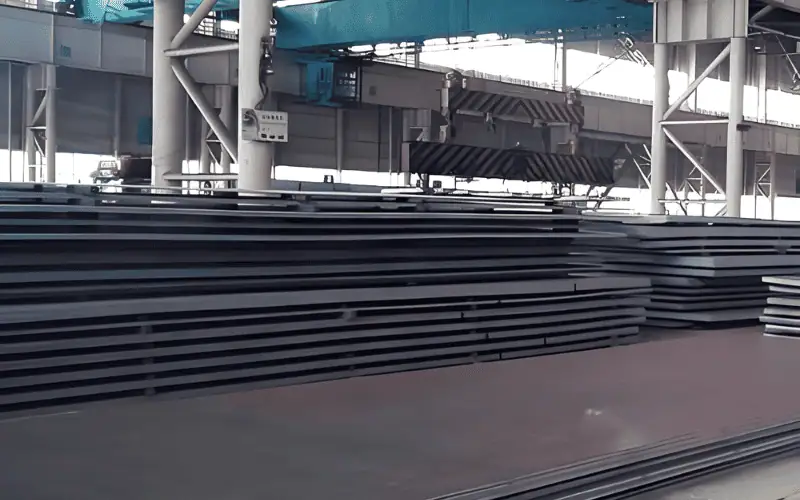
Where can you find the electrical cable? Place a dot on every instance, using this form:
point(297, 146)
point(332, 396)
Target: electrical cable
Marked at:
point(264, 69)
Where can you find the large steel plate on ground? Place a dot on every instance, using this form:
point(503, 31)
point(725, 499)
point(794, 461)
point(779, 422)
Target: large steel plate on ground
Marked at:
point(407, 436)
point(110, 295)
point(704, 271)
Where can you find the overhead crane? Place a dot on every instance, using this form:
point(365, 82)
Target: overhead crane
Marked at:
point(319, 34)
point(345, 23)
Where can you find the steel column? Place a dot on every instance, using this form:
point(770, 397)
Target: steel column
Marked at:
point(255, 158)
point(658, 167)
point(704, 157)
point(227, 115)
point(30, 109)
point(691, 63)
point(117, 115)
point(187, 133)
point(761, 64)
point(169, 101)
point(205, 154)
point(51, 125)
point(339, 144)
point(391, 145)
point(773, 177)
point(10, 122)
point(735, 153)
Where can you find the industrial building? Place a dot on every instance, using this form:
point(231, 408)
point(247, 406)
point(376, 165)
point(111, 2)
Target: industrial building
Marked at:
point(399, 249)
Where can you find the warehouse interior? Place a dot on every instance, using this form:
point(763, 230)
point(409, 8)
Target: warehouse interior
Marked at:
point(399, 249)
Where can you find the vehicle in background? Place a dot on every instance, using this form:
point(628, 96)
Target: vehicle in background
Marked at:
point(125, 171)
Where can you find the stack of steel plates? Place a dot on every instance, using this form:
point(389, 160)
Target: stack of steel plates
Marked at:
point(704, 270)
point(115, 295)
point(781, 317)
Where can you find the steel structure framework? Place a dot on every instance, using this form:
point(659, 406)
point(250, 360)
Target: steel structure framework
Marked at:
point(674, 24)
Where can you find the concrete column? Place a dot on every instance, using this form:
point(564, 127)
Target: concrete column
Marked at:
point(255, 158)
point(51, 125)
point(658, 151)
point(735, 155)
point(169, 100)
point(205, 156)
point(30, 111)
point(228, 116)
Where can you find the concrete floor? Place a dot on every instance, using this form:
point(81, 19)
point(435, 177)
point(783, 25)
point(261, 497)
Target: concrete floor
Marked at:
point(405, 436)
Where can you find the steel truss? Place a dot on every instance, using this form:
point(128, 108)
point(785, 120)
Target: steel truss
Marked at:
point(171, 52)
point(670, 16)
point(179, 53)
